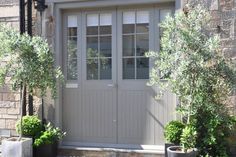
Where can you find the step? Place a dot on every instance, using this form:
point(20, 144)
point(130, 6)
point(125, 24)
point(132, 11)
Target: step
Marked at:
point(72, 151)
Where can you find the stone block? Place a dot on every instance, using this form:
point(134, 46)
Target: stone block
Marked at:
point(8, 96)
point(7, 116)
point(2, 123)
point(216, 15)
point(230, 52)
point(4, 89)
point(226, 15)
point(226, 43)
point(227, 4)
point(13, 111)
point(226, 24)
point(214, 5)
point(3, 110)
point(7, 104)
point(10, 124)
point(225, 34)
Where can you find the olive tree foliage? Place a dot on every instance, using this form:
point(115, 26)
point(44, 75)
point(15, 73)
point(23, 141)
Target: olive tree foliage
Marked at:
point(27, 61)
point(192, 65)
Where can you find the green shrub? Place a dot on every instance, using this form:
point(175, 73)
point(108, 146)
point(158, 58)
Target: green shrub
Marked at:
point(49, 136)
point(173, 131)
point(188, 138)
point(31, 126)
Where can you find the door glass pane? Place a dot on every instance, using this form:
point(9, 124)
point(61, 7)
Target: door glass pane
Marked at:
point(92, 47)
point(92, 20)
point(128, 45)
point(72, 31)
point(92, 30)
point(105, 30)
point(105, 46)
point(71, 56)
point(105, 68)
point(72, 69)
point(142, 44)
point(72, 47)
point(128, 28)
point(72, 21)
point(105, 19)
point(92, 69)
point(142, 17)
point(129, 17)
point(142, 28)
point(142, 68)
point(128, 68)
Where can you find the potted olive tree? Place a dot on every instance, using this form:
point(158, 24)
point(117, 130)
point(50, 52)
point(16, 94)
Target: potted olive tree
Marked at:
point(192, 65)
point(25, 62)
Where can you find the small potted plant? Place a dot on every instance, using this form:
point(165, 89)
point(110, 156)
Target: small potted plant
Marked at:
point(46, 142)
point(172, 133)
point(31, 126)
point(187, 141)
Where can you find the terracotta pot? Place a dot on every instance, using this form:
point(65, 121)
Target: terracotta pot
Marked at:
point(176, 151)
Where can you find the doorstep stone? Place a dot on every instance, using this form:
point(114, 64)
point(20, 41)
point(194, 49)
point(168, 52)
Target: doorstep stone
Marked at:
point(107, 152)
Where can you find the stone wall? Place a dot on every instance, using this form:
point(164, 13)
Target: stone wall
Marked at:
point(9, 13)
point(9, 100)
point(223, 21)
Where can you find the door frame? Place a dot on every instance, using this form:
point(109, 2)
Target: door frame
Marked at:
point(58, 13)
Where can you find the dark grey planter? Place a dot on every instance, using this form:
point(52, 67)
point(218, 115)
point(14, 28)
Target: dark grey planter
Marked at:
point(232, 150)
point(166, 146)
point(46, 150)
point(174, 151)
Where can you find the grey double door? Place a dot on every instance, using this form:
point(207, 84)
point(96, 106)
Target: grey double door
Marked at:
point(108, 100)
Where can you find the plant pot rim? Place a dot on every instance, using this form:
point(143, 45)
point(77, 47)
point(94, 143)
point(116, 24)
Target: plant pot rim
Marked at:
point(174, 148)
point(15, 139)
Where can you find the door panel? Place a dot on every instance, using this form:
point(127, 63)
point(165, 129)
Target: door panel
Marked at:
point(99, 96)
point(136, 125)
point(72, 114)
point(98, 113)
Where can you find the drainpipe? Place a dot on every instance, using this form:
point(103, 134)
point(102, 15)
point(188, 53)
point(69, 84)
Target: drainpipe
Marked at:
point(22, 30)
point(40, 7)
point(22, 16)
point(29, 31)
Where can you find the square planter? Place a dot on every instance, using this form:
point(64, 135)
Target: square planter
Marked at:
point(14, 148)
